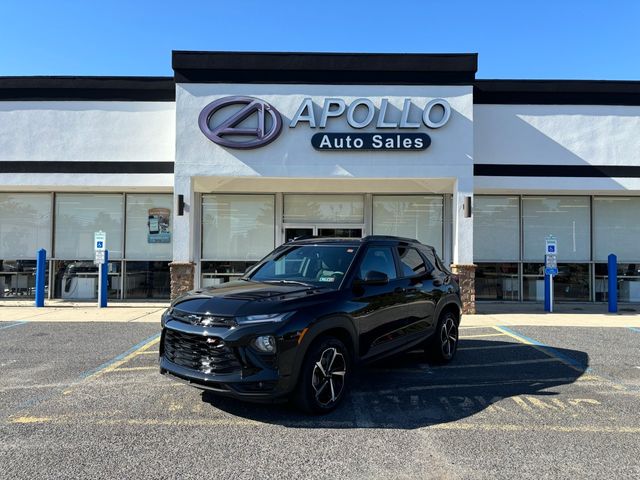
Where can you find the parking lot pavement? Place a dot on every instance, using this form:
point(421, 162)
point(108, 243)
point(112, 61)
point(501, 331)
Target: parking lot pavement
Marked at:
point(80, 400)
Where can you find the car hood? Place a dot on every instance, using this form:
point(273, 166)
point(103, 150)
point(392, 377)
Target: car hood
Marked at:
point(246, 298)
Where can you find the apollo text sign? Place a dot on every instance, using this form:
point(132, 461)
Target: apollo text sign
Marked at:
point(242, 122)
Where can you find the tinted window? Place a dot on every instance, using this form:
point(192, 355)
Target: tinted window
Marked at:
point(411, 262)
point(379, 259)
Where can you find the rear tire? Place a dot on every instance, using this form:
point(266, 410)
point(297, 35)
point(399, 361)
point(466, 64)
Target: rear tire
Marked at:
point(443, 344)
point(324, 376)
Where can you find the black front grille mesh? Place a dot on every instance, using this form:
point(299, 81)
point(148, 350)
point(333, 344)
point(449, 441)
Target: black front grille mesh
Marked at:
point(204, 354)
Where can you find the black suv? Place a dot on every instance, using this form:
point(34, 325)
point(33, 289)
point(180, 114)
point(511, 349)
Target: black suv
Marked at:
point(297, 322)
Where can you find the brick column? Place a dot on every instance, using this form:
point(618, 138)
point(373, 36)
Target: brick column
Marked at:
point(467, 279)
point(181, 277)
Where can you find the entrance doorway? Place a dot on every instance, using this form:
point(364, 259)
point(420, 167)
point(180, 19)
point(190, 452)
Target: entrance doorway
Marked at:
point(343, 231)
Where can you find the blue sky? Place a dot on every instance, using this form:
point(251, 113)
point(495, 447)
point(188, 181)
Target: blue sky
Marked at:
point(588, 39)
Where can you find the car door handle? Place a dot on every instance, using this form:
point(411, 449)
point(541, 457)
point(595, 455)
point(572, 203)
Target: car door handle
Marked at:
point(400, 290)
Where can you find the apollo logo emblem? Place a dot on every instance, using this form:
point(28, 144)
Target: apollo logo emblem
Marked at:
point(229, 133)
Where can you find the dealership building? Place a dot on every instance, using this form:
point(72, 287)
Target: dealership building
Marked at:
point(195, 177)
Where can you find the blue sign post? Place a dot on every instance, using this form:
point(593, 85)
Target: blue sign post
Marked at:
point(40, 276)
point(612, 273)
point(103, 285)
point(550, 269)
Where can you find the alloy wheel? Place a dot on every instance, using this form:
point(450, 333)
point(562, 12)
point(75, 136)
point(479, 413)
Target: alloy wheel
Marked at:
point(328, 377)
point(448, 337)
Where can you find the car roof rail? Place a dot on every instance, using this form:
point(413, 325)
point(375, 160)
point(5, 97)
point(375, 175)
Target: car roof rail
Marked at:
point(370, 238)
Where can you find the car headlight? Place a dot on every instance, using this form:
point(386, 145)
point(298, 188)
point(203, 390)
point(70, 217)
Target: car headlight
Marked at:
point(266, 318)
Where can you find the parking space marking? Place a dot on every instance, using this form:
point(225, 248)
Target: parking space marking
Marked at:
point(570, 362)
point(17, 324)
point(491, 347)
point(134, 369)
point(501, 364)
point(122, 358)
point(547, 350)
point(500, 383)
point(243, 422)
point(149, 352)
point(482, 335)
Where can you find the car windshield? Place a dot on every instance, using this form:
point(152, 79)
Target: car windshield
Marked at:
point(316, 265)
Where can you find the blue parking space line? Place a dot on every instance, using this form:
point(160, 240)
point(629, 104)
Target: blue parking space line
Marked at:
point(119, 357)
point(634, 329)
point(551, 351)
point(17, 324)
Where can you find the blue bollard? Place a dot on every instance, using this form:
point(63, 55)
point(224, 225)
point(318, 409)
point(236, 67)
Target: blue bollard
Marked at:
point(612, 272)
point(41, 264)
point(104, 280)
point(547, 293)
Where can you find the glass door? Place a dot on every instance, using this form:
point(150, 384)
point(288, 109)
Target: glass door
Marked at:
point(293, 232)
point(339, 232)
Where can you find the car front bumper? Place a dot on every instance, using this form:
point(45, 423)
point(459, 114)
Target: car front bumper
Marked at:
point(255, 379)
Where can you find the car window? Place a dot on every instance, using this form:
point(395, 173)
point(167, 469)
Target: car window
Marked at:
point(411, 262)
point(322, 265)
point(379, 259)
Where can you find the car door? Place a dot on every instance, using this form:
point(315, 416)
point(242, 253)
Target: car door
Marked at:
point(421, 295)
point(379, 311)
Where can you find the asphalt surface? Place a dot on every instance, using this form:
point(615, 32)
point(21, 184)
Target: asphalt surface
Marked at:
point(85, 400)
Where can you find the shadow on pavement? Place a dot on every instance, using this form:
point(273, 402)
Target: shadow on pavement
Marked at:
point(406, 392)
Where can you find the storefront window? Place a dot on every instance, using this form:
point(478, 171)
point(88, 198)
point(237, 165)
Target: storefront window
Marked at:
point(78, 279)
point(237, 227)
point(323, 209)
point(616, 228)
point(411, 216)
point(147, 280)
point(497, 281)
point(566, 218)
point(215, 273)
point(25, 225)
point(79, 216)
point(18, 278)
point(496, 228)
point(571, 283)
point(628, 282)
point(149, 227)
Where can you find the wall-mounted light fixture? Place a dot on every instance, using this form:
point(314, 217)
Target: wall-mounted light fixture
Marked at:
point(466, 207)
point(180, 205)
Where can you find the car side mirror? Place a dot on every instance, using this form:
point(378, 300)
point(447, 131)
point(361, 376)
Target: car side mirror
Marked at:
point(373, 277)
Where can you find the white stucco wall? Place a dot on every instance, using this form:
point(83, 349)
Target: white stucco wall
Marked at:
point(600, 135)
point(87, 131)
point(291, 155)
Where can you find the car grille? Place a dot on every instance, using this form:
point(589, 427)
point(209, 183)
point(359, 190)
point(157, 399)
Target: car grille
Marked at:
point(202, 319)
point(204, 354)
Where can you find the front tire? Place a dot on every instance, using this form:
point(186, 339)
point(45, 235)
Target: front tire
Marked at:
point(443, 345)
point(324, 377)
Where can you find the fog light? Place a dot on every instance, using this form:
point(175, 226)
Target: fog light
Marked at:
point(265, 344)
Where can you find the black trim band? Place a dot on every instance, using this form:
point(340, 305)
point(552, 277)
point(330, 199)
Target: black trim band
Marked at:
point(556, 92)
point(86, 167)
point(324, 68)
point(580, 171)
point(141, 89)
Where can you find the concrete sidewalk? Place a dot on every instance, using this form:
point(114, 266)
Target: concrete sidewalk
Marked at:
point(64, 311)
point(489, 314)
